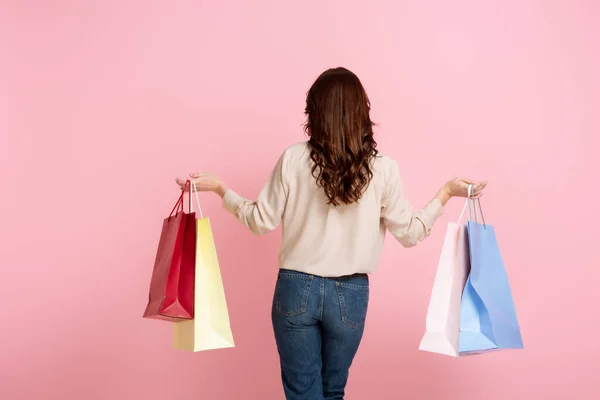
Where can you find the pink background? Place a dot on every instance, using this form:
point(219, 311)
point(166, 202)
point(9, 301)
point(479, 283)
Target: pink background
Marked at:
point(104, 103)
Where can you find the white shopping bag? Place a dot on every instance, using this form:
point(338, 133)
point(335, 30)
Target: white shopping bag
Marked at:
point(443, 315)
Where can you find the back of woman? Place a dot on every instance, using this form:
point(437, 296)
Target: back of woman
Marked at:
point(335, 197)
point(322, 239)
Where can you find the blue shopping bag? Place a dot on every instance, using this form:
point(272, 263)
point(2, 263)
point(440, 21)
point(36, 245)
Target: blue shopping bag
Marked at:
point(488, 320)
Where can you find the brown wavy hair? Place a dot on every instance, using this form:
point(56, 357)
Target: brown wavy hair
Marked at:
point(341, 136)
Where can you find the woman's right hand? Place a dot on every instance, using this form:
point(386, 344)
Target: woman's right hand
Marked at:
point(458, 187)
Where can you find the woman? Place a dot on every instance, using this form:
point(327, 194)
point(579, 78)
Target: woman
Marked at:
point(336, 196)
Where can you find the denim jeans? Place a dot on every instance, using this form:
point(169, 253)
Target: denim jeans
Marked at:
point(318, 324)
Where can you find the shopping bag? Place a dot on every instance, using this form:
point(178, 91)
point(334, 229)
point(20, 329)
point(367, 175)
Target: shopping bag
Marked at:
point(443, 314)
point(210, 328)
point(488, 319)
point(171, 295)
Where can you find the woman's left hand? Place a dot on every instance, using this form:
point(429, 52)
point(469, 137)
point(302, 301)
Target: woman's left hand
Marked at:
point(204, 183)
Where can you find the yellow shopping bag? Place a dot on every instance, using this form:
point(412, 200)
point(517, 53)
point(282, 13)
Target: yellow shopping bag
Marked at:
point(210, 328)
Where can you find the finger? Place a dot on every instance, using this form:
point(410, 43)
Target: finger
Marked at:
point(196, 175)
point(477, 190)
point(182, 184)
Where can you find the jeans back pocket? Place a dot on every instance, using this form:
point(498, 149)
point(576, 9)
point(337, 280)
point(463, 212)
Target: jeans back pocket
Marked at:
point(354, 301)
point(291, 293)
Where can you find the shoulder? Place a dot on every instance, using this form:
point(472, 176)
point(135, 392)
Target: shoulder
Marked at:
point(297, 150)
point(384, 165)
point(294, 154)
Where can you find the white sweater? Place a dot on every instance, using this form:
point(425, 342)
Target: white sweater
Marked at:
point(329, 241)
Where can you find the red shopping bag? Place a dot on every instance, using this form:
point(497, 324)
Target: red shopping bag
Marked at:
point(172, 284)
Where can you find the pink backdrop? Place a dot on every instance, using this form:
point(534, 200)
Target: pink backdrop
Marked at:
point(103, 103)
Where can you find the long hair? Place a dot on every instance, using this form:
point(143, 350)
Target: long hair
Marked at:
point(341, 136)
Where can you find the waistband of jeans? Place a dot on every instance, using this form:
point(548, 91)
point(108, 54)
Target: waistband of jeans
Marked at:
point(335, 278)
point(345, 277)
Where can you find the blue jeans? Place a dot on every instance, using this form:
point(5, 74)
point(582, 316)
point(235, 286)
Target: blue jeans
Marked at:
point(318, 324)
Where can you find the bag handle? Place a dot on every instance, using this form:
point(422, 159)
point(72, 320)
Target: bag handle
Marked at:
point(179, 205)
point(195, 189)
point(467, 203)
point(470, 199)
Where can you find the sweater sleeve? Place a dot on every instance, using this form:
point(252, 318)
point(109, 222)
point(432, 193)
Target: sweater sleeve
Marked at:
point(264, 214)
point(408, 227)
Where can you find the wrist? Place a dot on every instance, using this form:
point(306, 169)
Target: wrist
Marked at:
point(443, 195)
point(221, 189)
